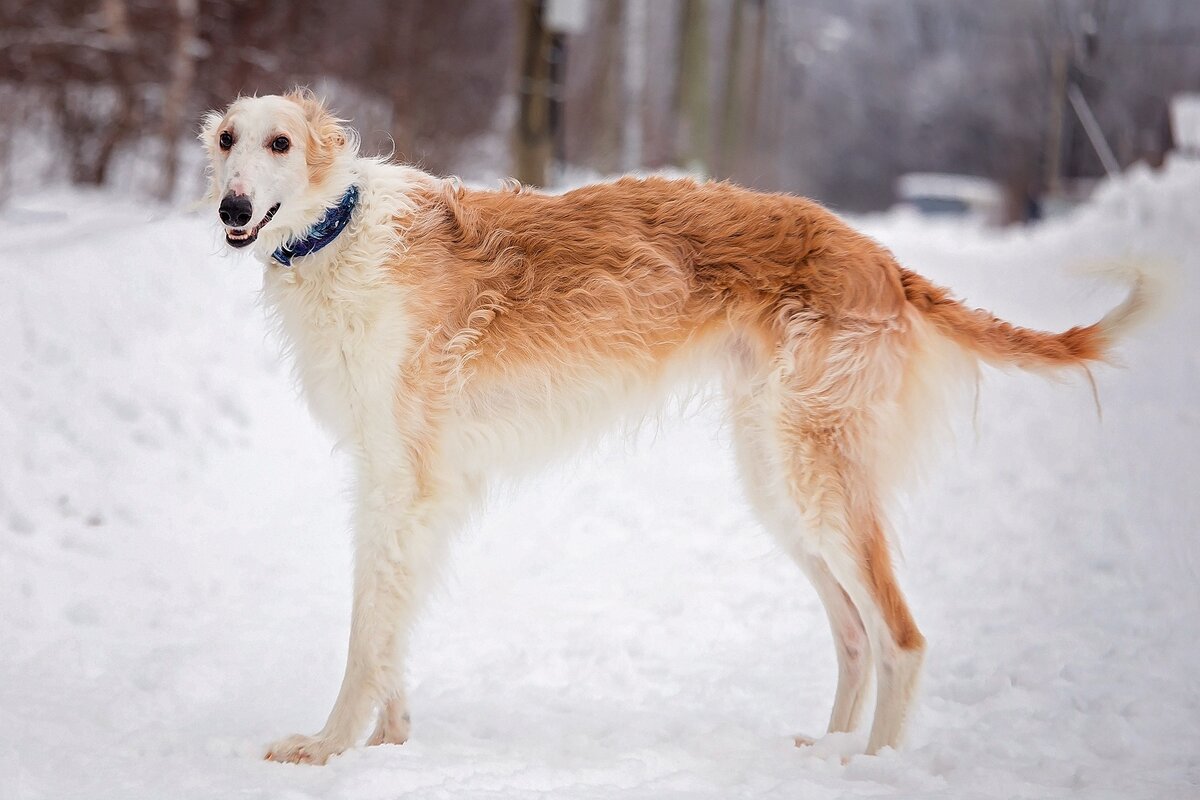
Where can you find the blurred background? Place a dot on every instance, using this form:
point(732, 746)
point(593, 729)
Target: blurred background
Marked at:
point(1003, 111)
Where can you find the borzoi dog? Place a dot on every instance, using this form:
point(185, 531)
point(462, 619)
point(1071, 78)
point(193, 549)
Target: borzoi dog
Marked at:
point(444, 334)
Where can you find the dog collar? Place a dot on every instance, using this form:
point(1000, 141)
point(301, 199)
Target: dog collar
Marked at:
point(322, 233)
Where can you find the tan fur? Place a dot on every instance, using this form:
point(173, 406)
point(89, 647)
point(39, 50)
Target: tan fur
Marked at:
point(450, 327)
point(640, 267)
point(326, 134)
point(637, 270)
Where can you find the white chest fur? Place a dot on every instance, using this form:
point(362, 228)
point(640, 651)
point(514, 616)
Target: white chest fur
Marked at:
point(347, 331)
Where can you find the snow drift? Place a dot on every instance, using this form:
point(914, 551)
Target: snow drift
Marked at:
point(174, 558)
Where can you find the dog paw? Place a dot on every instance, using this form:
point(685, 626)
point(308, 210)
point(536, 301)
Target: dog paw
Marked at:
point(393, 727)
point(304, 750)
point(841, 745)
point(386, 735)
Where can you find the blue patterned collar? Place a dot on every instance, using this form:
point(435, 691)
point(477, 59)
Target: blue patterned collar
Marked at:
point(322, 233)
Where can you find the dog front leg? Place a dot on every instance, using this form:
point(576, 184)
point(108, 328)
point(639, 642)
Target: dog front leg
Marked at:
point(395, 553)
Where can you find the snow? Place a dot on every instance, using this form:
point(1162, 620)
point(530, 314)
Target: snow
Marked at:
point(174, 556)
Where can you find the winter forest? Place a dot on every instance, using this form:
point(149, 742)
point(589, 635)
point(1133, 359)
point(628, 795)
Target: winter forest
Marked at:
point(177, 533)
point(834, 99)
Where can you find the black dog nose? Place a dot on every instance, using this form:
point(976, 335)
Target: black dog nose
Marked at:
point(236, 210)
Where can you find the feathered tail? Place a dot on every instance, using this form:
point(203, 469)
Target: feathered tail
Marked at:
point(1002, 343)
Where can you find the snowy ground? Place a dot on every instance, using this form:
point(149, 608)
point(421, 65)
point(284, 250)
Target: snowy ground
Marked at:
point(174, 558)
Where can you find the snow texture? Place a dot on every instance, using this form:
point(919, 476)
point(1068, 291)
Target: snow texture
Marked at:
point(174, 556)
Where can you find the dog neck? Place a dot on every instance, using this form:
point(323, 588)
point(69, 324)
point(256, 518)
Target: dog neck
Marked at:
point(322, 233)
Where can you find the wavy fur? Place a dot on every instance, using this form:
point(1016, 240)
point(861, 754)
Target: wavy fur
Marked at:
point(452, 333)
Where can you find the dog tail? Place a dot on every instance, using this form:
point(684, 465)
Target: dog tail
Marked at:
point(1003, 344)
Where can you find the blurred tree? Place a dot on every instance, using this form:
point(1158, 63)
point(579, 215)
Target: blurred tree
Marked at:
point(834, 98)
point(533, 137)
point(179, 90)
point(593, 97)
point(732, 118)
point(690, 101)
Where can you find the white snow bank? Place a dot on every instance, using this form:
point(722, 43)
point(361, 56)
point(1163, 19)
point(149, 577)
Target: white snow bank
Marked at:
point(174, 560)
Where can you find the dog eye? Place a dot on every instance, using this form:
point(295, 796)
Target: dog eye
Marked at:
point(225, 140)
point(281, 144)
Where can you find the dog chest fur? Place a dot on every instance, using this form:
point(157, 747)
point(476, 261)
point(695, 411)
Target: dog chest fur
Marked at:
point(347, 333)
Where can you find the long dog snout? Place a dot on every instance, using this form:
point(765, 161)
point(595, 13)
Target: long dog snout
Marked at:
point(236, 210)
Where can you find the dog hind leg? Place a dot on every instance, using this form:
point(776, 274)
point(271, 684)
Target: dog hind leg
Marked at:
point(850, 643)
point(838, 501)
point(757, 459)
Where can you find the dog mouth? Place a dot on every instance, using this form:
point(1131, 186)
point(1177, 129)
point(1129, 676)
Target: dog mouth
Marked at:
point(240, 237)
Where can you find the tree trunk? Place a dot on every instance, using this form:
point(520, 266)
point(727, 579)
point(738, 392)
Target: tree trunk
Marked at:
point(635, 83)
point(533, 142)
point(753, 113)
point(90, 141)
point(1058, 102)
point(732, 117)
point(606, 139)
point(691, 88)
point(183, 70)
point(398, 61)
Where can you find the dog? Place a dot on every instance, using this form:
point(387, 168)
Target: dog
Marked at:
point(446, 335)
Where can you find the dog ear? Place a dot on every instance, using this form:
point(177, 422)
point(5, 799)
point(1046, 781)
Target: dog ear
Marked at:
point(210, 124)
point(328, 136)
